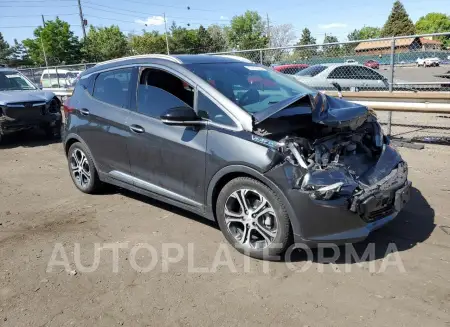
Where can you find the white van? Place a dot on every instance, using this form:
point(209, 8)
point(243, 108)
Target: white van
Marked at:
point(52, 78)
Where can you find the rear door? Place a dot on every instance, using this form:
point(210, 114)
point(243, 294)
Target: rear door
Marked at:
point(371, 79)
point(104, 115)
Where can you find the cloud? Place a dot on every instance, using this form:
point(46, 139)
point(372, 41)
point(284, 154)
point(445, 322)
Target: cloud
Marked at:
point(224, 18)
point(332, 25)
point(151, 21)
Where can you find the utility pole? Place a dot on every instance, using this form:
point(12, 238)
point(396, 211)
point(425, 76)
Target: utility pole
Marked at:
point(82, 19)
point(42, 43)
point(167, 39)
point(268, 29)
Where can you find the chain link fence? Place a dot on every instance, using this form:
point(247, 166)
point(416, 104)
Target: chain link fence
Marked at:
point(55, 76)
point(411, 64)
point(406, 63)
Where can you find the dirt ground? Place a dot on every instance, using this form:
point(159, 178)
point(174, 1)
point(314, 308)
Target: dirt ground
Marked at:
point(40, 208)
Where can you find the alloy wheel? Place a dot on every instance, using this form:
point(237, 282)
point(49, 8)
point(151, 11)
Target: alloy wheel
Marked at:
point(80, 168)
point(251, 219)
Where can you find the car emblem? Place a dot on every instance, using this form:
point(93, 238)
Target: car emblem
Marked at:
point(28, 105)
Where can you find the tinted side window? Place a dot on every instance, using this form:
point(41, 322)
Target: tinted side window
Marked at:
point(366, 73)
point(112, 87)
point(159, 91)
point(207, 109)
point(342, 72)
point(83, 84)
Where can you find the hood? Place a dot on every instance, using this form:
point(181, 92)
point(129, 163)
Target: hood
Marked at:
point(25, 96)
point(323, 109)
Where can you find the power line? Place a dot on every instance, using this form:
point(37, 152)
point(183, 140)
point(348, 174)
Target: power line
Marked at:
point(36, 15)
point(169, 17)
point(35, 6)
point(116, 11)
point(28, 26)
point(133, 21)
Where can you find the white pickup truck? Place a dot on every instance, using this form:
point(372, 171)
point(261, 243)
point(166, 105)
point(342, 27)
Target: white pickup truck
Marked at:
point(428, 62)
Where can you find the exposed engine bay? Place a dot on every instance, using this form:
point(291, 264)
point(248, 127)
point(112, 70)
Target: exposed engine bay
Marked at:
point(354, 162)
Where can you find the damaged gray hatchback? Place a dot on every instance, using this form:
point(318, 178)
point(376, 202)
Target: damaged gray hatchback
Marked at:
point(271, 160)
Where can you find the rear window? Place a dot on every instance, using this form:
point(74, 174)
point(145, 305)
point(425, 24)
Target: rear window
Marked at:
point(312, 71)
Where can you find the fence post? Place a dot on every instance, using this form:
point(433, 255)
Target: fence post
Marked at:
point(261, 57)
point(85, 67)
point(33, 78)
point(391, 84)
point(57, 76)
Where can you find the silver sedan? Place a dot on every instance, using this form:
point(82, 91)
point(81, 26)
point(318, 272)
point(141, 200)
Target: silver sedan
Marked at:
point(350, 77)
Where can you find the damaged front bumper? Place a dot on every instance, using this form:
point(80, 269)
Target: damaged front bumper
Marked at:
point(355, 212)
point(10, 125)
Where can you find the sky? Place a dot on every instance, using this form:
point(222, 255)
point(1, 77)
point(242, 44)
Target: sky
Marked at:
point(18, 18)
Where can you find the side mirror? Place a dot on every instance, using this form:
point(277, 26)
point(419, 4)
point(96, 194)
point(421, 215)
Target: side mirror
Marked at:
point(181, 116)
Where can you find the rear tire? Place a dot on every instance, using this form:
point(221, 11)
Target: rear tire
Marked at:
point(82, 169)
point(253, 219)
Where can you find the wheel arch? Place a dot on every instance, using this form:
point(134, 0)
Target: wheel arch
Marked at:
point(74, 138)
point(225, 175)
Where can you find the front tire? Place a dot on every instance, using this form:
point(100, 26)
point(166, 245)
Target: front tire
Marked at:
point(253, 219)
point(53, 132)
point(82, 169)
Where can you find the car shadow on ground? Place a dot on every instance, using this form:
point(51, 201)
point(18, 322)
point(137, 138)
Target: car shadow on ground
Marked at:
point(28, 139)
point(413, 225)
point(162, 205)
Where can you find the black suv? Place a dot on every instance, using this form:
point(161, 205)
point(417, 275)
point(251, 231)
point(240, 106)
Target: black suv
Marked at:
point(271, 160)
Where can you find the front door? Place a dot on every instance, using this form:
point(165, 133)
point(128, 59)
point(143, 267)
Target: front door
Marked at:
point(168, 160)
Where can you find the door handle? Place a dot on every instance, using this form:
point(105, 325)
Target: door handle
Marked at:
point(84, 112)
point(137, 129)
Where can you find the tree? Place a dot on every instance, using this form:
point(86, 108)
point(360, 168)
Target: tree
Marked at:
point(5, 50)
point(183, 40)
point(398, 22)
point(365, 33)
point(434, 23)
point(331, 50)
point(219, 41)
point(104, 43)
point(148, 42)
point(247, 31)
point(281, 35)
point(204, 40)
point(60, 44)
point(19, 55)
point(306, 39)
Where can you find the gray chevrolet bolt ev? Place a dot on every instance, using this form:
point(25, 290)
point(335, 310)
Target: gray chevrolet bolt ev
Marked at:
point(271, 160)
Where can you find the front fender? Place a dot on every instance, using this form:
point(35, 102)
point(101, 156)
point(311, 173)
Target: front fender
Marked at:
point(245, 170)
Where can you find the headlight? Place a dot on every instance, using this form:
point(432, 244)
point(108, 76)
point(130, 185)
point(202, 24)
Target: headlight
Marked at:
point(327, 192)
point(52, 106)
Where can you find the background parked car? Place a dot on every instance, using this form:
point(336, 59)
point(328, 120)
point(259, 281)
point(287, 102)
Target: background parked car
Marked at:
point(351, 77)
point(55, 78)
point(24, 106)
point(428, 62)
point(290, 69)
point(372, 64)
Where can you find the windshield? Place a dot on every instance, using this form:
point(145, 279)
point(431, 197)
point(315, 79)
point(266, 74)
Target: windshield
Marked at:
point(14, 81)
point(312, 70)
point(253, 87)
point(54, 76)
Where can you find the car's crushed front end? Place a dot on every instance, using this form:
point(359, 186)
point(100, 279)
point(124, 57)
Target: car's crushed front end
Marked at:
point(22, 110)
point(338, 171)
